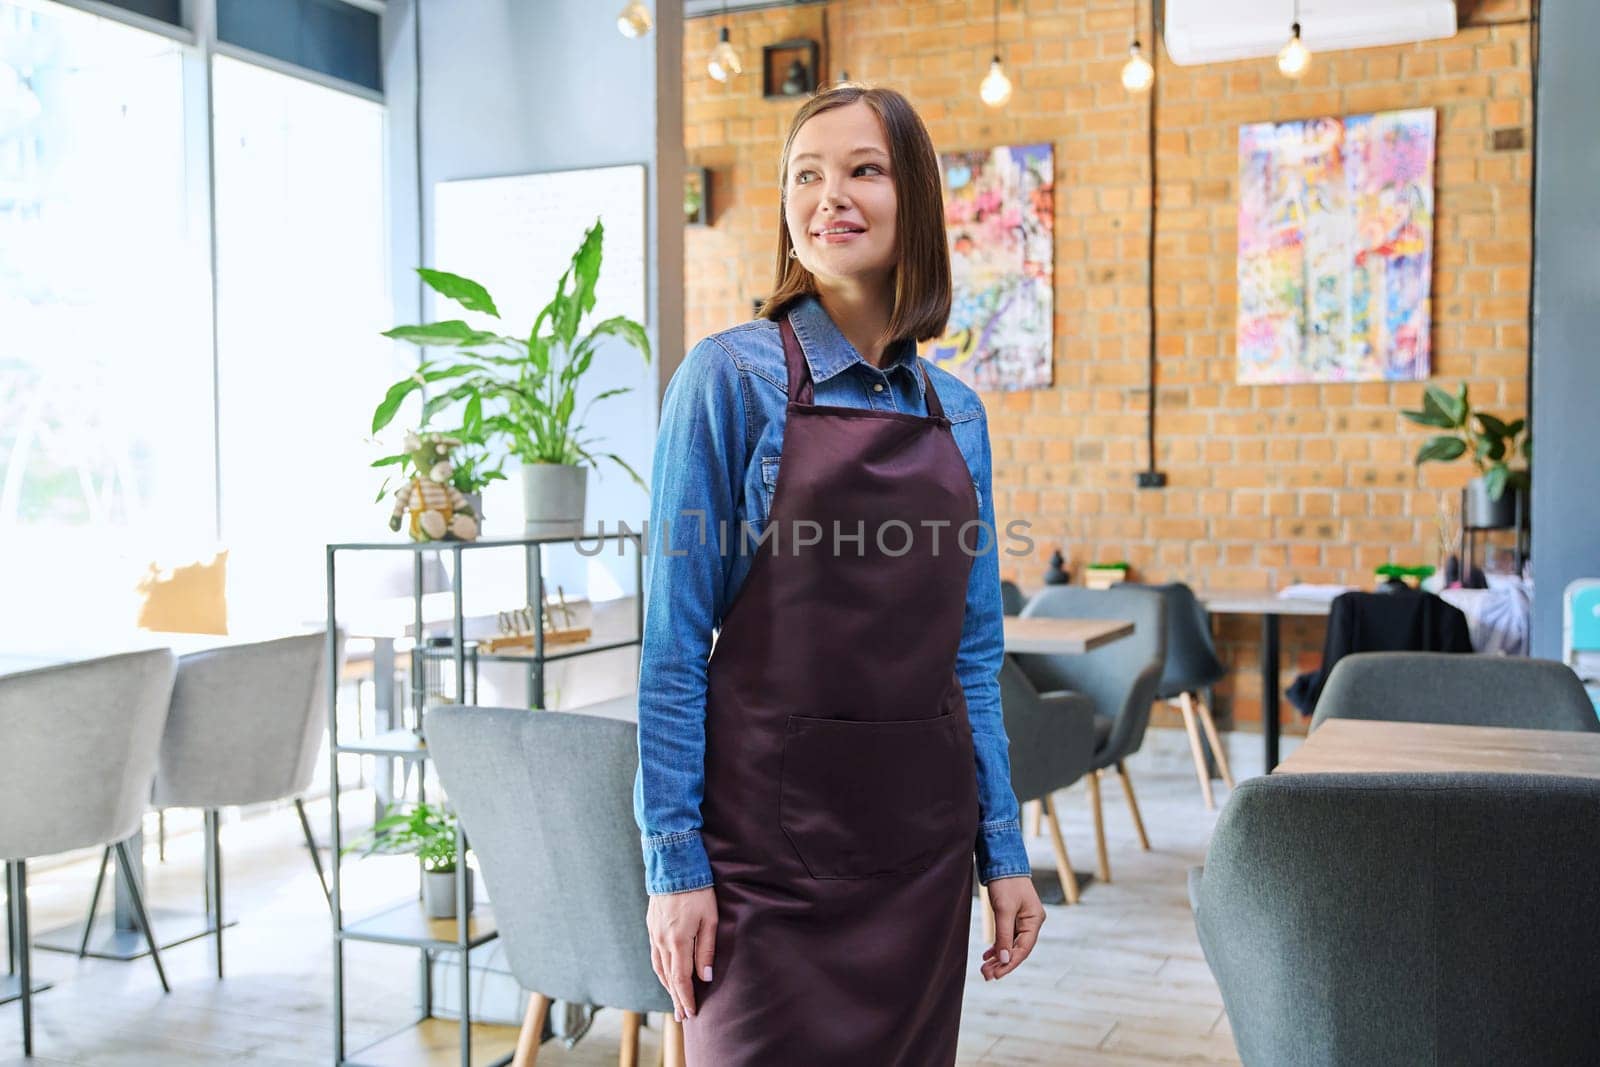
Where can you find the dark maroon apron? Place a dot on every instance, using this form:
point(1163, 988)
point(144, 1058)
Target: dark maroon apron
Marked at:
point(840, 809)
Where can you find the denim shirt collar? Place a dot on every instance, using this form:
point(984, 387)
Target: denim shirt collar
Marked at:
point(828, 352)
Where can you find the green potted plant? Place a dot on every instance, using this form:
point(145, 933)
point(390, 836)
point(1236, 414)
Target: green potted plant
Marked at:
point(524, 389)
point(1492, 444)
point(428, 832)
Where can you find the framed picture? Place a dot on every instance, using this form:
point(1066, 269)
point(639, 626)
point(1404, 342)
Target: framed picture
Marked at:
point(789, 69)
point(999, 213)
point(697, 197)
point(1335, 262)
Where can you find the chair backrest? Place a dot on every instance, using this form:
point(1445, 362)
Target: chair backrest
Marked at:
point(546, 799)
point(1191, 663)
point(1120, 677)
point(1052, 737)
point(78, 751)
point(1443, 687)
point(1365, 918)
point(1011, 598)
point(246, 723)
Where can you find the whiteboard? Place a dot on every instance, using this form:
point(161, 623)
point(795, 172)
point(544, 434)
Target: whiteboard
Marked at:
point(516, 235)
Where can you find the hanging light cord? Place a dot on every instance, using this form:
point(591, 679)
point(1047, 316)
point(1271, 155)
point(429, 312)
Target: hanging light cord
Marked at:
point(997, 31)
point(1156, 480)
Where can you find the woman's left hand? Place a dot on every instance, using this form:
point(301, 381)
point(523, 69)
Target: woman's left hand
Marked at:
point(1018, 915)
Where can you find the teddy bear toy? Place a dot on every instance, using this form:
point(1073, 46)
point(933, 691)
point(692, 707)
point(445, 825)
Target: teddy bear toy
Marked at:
point(438, 510)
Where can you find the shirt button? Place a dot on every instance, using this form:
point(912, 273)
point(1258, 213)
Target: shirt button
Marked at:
point(878, 388)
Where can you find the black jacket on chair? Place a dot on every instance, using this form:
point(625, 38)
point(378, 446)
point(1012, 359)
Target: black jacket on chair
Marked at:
point(1401, 621)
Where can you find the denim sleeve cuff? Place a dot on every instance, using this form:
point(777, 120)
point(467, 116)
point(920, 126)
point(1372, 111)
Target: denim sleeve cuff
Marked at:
point(677, 863)
point(1001, 852)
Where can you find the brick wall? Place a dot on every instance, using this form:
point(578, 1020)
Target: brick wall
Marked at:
point(1267, 484)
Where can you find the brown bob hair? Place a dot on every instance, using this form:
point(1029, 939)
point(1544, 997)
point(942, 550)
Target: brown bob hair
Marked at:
point(922, 276)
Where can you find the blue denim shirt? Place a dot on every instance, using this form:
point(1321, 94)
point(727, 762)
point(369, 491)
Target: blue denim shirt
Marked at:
point(722, 422)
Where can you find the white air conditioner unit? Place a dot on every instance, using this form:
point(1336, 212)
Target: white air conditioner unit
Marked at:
point(1216, 31)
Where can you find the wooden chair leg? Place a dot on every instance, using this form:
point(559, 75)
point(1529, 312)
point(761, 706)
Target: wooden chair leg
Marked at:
point(1069, 878)
point(671, 1042)
point(527, 1053)
point(1210, 724)
point(1133, 805)
point(1193, 730)
point(1102, 861)
point(629, 1057)
point(1035, 817)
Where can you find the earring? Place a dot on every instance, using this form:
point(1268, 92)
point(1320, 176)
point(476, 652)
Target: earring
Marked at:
point(794, 253)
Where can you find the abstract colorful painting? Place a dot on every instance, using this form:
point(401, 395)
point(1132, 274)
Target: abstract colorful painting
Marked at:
point(1336, 248)
point(999, 210)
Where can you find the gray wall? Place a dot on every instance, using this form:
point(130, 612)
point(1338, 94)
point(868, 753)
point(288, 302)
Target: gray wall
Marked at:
point(1566, 332)
point(520, 86)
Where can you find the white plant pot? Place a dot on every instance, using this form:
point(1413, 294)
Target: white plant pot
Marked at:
point(553, 499)
point(439, 894)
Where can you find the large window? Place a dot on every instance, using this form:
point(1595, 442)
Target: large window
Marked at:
point(302, 298)
point(111, 451)
point(106, 457)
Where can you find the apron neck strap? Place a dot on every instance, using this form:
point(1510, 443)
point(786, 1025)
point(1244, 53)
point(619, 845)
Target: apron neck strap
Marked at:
point(800, 386)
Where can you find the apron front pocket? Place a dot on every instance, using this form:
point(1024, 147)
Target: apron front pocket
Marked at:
point(872, 799)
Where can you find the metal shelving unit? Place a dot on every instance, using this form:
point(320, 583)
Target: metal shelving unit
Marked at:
point(405, 925)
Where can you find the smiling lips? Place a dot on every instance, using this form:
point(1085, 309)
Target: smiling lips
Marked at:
point(839, 233)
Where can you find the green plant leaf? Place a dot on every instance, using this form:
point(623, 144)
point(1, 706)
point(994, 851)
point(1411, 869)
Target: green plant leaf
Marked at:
point(1429, 418)
point(451, 333)
point(464, 291)
point(1441, 449)
point(1435, 399)
point(385, 412)
point(443, 400)
point(623, 327)
point(389, 461)
point(586, 273)
point(1527, 450)
point(1495, 478)
point(472, 416)
point(455, 371)
point(1515, 426)
point(1492, 426)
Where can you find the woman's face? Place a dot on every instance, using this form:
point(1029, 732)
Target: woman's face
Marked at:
point(840, 199)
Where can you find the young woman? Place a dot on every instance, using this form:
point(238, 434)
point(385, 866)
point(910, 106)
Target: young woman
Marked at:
point(812, 790)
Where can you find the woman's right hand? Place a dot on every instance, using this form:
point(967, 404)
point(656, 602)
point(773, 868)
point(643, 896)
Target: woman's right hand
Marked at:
point(683, 938)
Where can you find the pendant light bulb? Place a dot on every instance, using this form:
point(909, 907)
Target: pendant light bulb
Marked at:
point(996, 87)
point(635, 20)
point(1137, 73)
point(724, 62)
point(1294, 58)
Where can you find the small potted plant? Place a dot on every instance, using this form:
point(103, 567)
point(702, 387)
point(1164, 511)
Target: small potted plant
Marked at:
point(524, 388)
point(1493, 446)
point(428, 832)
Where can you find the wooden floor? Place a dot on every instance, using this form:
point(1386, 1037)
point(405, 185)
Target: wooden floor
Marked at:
point(1117, 979)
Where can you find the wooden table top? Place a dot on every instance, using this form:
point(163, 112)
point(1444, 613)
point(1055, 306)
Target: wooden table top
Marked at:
point(1359, 746)
point(1062, 637)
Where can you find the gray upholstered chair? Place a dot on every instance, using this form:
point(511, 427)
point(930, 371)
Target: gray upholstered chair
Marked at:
point(1406, 919)
point(1052, 746)
point(1119, 678)
point(1191, 667)
point(546, 800)
point(1445, 687)
point(245, 728)
point(1011, 599)
point(75, 770)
